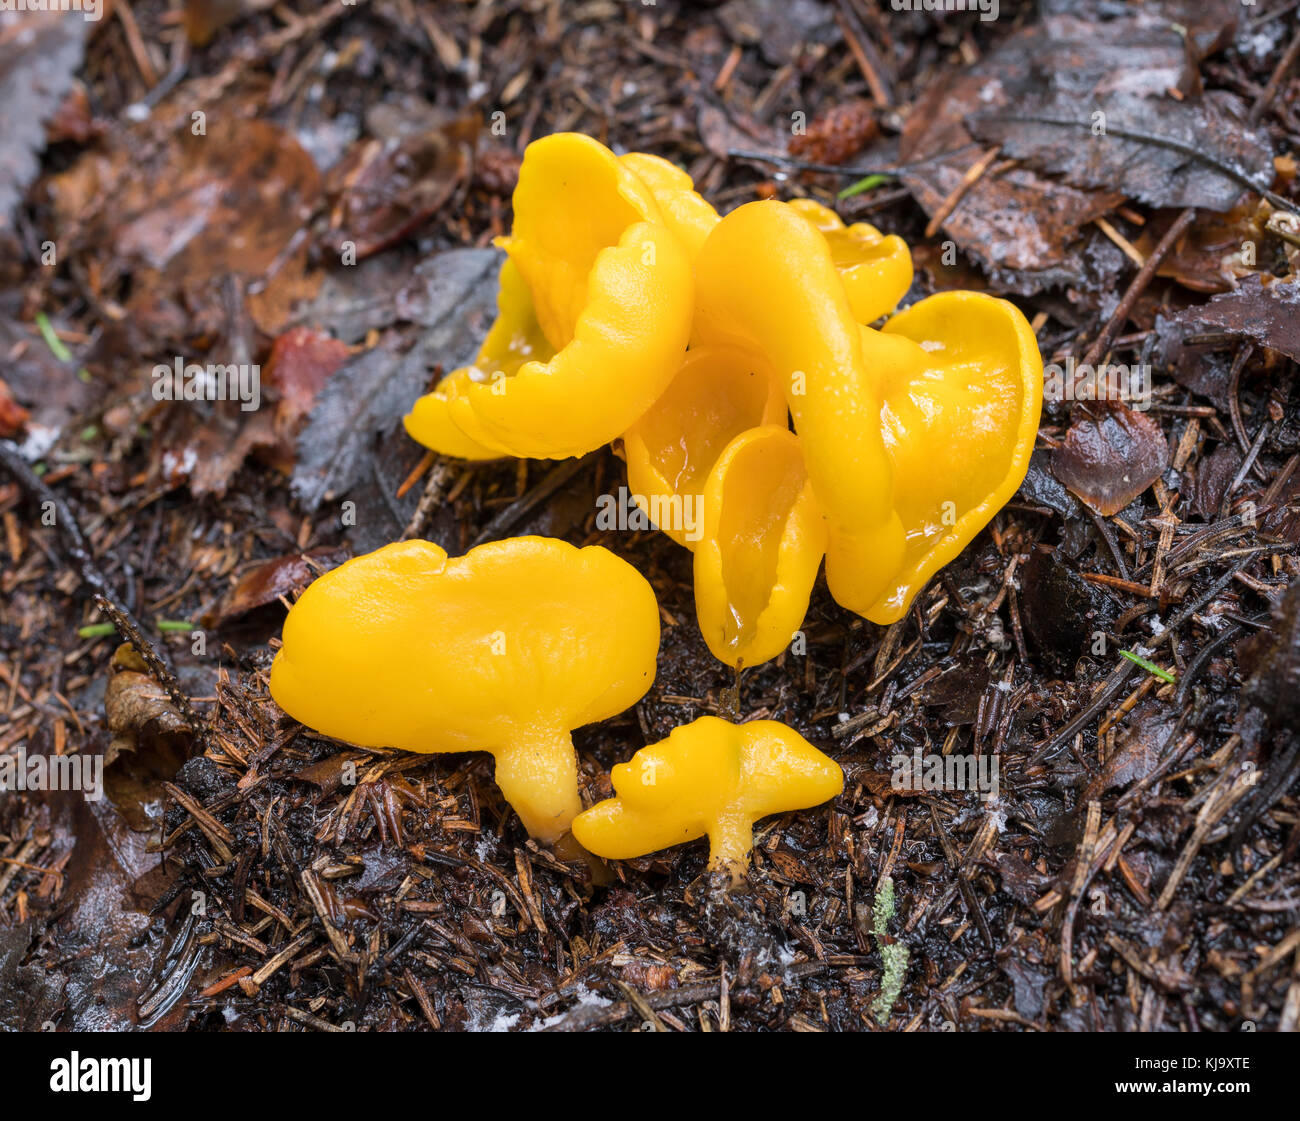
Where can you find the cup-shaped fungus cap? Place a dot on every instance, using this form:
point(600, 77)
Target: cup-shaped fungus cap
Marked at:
point(506, 650)
point(594, 314)
point(719, 393)
point(763, 541)
point(876, 268)
point(962, 385)
point(708, 778)
point(766, 283)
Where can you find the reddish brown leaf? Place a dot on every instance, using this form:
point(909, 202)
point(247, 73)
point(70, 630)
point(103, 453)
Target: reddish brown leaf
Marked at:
point(1111, 455)
point(301, 362)
point(272, 579)
point(12, 415)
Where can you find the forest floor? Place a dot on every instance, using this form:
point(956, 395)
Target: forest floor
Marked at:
point(190, 184)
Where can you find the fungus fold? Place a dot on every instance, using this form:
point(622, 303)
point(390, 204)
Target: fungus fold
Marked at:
point(593, 315)
point(763, 541)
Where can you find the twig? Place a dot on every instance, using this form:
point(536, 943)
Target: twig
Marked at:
point(972, 176)
point(434, 492)
point(77, 552)
point(864, 54)
point(1265, 99)
point(517, 511)
point(1099, 349)
point(835, 169)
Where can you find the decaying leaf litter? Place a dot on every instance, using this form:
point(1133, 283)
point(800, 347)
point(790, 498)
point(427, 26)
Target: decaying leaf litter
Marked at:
point(1138, 869)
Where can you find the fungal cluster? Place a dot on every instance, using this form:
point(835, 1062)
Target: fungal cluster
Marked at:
point(630, 310)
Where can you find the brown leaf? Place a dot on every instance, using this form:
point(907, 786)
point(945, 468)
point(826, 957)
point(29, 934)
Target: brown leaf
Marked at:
point(12, 415)
point(280, 576)
point(150, 741)
point(383, 190)
point(327, 774)
point(1267, 314)
point(1208, 258)
point(1110, 456)
point(1138, 751)
point(957, 691)
point(140, 714)
point(1025, 228)
point(1051, 132)
point(1214, 474)
point(224, 203)
point(193, 214)
point(724, 129)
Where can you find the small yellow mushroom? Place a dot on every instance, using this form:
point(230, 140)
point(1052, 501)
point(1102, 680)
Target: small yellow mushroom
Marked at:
point(708, 778)
point(506, 650)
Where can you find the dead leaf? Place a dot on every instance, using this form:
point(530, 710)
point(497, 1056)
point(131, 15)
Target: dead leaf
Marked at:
point(1267, 312)
point(193, 218)
point(151, 741)
point(1111, 454)
point(1056, 132)
point(957, 692)
point(1214, 474)
point(140, 714)
point(1208, 258)
point(40, 52)
point(1027, 231)
point(302, 360)
point(12, 415)
point(268, 581)
point(385, 189)
point(372, 391)
point(779, 28)
point(1138, 749)
point(1060, 610)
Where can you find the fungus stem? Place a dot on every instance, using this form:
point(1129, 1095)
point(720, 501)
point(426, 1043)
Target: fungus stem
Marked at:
point(730, 840)
point(537, 772)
